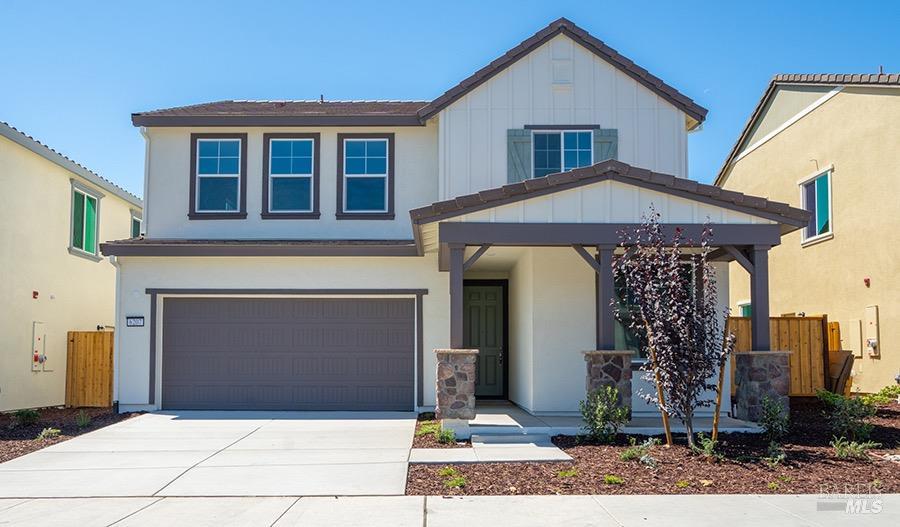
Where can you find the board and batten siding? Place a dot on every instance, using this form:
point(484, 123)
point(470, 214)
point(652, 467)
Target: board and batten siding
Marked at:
point(559, 83)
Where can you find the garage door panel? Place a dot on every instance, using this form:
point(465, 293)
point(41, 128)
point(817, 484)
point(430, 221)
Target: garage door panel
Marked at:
point(328, 354)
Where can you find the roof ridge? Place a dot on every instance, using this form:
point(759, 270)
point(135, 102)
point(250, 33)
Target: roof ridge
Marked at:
point(70, 160)
point(183, 107)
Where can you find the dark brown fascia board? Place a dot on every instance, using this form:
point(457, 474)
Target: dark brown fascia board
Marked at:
point(586, 40)
point(335, 292)
point(271, 120)
point(567, 234)
point(257, 250)
point(767, 95)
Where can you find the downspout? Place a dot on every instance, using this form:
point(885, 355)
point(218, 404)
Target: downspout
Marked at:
point(146, 212)
point(117, 337)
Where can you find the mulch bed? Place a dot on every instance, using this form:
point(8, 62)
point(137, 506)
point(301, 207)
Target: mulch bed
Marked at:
point(17, 440)
point(423, 438)
point(811, 466)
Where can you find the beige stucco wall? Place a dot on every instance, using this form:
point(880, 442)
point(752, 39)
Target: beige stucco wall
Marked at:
point(138, 274)
point(857, 131)
point(74, 293)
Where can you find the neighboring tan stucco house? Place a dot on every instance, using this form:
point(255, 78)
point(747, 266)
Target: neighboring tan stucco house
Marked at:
point(313, 254)
point(53, 215)
point(831, 144)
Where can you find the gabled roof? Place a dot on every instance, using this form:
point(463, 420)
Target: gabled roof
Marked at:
point(592, 44)
point(402, 113)
point(285, 113)
point(53, 156)
point(790, 218)
point(803, 79)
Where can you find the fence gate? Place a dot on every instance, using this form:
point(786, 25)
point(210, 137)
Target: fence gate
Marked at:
point(89, 369)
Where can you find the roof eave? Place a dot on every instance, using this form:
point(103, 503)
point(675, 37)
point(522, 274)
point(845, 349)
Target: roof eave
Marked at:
point(148, 120)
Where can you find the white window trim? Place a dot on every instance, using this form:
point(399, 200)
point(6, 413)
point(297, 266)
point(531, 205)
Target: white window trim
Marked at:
point(385, 176)
point(562, 146)
point(812, 240)
point(198, 176)
point(136, 216)
point(312, 181)
point(78, 187)
point(742, 303)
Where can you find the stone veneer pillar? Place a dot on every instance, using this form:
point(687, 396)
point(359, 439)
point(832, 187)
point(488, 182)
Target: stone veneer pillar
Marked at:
point(455, 383)
point(759, 374)
point(610, 368)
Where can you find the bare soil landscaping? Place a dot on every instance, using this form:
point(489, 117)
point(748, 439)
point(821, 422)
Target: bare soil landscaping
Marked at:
point(18, 439)
point(425, 435)
point(811, 466)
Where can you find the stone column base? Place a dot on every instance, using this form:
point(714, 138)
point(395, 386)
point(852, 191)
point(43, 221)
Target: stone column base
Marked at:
point(760, 374)
point(610, 368)
point(455, 385)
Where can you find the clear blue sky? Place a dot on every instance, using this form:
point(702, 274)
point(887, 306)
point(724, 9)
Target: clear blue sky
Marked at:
point(73, 72)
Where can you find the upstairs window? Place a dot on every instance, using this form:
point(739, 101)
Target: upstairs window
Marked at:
point(290, 176)
point(218, 187)
point(559, 151)
point(135, 226)
point(85, 220)
point(366, 178)
point(817, 200)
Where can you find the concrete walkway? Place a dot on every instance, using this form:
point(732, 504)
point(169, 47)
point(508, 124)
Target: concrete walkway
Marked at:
point(436, 511)
point(222, 454)
point(521, 448)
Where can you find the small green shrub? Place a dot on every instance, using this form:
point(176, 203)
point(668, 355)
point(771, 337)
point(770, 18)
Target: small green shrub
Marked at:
point(707, 447)
point(28, 416)
point(775, 454)
point(774, 419)
point(682, 484)
point(773, 486)
point(612, 479)
point(427, 427)
point(455, 482)
point(48, 433)
point(640, 452)
point(603, 416)
point(844, 449)
point(568, 473)
point(445, 436)
point(83, 420)
point(887, 395)
point(847, 416)
point(447, 472)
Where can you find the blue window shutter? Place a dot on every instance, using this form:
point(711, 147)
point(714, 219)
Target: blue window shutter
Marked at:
point(518, 155)
point(606, 144)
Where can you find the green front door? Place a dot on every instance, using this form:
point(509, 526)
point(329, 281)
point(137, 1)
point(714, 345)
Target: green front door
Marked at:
point(483, 330)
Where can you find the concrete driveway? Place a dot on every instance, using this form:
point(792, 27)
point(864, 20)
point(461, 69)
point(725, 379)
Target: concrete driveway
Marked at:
point(223, 454)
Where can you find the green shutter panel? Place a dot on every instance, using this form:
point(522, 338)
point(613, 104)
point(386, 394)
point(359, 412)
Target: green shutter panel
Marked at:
point(518, 155)
point(90, 225)
point(606, 144)
point(78, 220)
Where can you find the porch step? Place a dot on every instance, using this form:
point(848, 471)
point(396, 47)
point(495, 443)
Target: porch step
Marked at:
point(511, 439)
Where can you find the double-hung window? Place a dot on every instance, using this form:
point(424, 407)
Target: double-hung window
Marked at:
point(218, 176)
point(365, 187)
point(290, 176)
point(816, 193)
point(85, 220)
point(135, 224)
point(559, 151)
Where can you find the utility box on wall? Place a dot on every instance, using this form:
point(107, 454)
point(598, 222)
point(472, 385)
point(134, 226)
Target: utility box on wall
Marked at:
point(871, 343)
point(38, 346)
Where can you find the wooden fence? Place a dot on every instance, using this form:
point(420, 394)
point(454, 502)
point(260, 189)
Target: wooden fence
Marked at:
point(89, 369)
point(807, 338)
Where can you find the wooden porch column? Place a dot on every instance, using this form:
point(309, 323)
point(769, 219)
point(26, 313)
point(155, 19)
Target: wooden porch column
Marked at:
point(457, 254)
point(606, 320)
point(759, 299)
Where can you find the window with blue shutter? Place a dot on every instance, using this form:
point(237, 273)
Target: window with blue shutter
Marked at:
point(817, 200)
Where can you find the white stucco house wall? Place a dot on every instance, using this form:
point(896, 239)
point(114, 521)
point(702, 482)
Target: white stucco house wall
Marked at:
point(53, 215)
point(312, 254)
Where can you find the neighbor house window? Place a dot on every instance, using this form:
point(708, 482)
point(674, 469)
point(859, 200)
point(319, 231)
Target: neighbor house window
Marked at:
point(218, 186)
point(85, 220)
point(559, 151)
point(365, 187)
point(746, 310)
point(817, 200)
point(135, 226)
point(290, 176)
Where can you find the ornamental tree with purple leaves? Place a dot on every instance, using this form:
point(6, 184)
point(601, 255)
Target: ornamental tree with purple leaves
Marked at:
point(670, 301)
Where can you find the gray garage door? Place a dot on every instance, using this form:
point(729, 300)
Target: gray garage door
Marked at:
point(288, 353)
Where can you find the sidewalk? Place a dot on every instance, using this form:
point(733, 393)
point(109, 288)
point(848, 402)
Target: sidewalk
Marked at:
point(436, 511)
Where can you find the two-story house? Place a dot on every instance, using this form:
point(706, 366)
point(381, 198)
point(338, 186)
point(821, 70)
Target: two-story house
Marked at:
point(313, 254)
point(53, 214)
point(830, 143)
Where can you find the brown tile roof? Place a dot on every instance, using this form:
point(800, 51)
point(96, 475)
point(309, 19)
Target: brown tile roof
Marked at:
point(791, 218)
point(401, 113)
point(284, 112)
point(592, 44)
point(822, 79)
